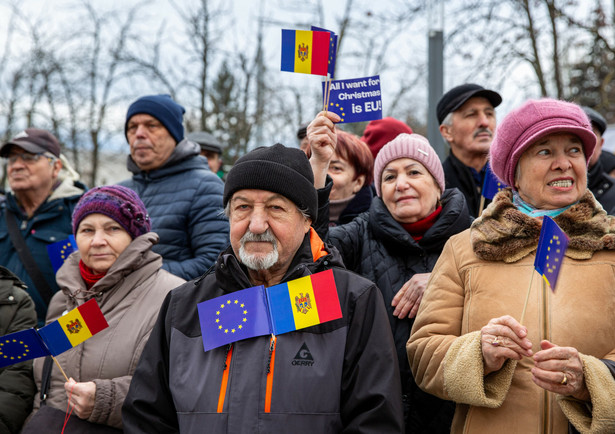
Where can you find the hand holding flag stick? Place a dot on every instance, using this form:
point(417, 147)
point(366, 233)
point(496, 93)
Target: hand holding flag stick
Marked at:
point(552, 245)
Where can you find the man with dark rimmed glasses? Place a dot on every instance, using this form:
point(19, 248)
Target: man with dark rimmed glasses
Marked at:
point(37, 211)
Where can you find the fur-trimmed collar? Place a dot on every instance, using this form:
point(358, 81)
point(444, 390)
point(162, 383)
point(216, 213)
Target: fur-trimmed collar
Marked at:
point(503, 233)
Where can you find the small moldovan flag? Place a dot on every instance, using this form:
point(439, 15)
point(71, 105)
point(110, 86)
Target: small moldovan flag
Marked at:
point(73, 328)
point(259, 311)
point(552, 246)
point(233, 317)
point(491, 184)
point(58, 252)
point(305, 51)
point(21, 346)
point(332, 50)
point(304, 302)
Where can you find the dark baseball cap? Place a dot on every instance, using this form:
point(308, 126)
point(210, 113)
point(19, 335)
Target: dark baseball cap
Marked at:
point(33, 140)
point(596, 119)
point(457, 96)
point(206, 141)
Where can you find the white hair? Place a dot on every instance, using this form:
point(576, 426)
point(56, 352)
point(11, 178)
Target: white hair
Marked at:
point(448, 120)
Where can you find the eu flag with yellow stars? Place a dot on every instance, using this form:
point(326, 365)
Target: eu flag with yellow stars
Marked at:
point(552, 246)
point(239, 315)
point(58, 252)
point(491, 184)
point(21, 346)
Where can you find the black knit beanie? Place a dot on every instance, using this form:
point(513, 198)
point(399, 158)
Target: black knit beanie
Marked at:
point(279, 169)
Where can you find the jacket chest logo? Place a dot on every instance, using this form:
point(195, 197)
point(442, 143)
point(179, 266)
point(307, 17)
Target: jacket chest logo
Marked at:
point(303, 303)
point(303, 357)
point(74, 326)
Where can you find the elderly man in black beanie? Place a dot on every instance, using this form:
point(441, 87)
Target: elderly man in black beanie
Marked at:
point(467, 122)
point(182, 195)
point(339, 376)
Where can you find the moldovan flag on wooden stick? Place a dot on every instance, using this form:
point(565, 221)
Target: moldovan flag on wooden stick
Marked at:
point(304, 302)
point(305, 51)
point(73, 328)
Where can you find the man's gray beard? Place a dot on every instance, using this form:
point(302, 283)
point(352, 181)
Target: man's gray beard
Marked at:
point(257, 263)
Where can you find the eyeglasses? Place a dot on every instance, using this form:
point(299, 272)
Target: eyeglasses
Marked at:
point(28, 158)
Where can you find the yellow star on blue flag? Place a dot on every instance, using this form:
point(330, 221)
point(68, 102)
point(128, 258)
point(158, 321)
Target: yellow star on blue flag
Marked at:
point(552, 246)
point(21, 346)
point(58, 252)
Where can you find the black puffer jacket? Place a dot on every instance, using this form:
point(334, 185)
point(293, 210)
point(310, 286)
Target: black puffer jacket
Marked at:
point(603, 187)
point(16, 383)
point(377, 247)
point(459, 176)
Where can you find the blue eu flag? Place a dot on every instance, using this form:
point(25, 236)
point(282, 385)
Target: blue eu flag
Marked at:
point(491, 184)
point(239, 315)
point(58, 252)
point(552, 246)
point(21, 346)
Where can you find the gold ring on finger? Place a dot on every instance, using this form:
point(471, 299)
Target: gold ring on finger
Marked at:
point(564, 380)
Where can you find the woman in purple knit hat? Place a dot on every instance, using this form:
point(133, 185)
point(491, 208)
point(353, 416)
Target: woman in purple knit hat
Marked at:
point(114, 264)
point(491, 334)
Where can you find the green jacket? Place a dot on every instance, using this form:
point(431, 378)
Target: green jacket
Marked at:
point(16, 383)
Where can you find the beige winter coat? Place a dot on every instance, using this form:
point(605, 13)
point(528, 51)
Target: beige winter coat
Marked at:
point(130, 296)
point(484, 273)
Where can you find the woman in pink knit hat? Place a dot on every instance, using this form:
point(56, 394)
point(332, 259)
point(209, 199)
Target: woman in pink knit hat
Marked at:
point(491, 334)
point(397, 242)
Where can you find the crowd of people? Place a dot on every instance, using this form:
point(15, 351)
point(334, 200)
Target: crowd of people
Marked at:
point(439, 331)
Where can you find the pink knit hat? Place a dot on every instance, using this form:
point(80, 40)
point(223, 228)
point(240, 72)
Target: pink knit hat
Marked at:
point(534, 120)
point(412, 146)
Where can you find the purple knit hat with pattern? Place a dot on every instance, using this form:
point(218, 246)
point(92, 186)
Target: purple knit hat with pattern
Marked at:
point(529, 123)
point(117, 202)
point(412, 146)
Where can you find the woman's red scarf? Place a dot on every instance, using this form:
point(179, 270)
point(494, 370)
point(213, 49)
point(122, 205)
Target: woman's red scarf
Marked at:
point(88, 275)
point(418, 228)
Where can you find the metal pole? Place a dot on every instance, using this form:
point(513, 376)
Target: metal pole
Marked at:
point(435, 76)
point(435, 79)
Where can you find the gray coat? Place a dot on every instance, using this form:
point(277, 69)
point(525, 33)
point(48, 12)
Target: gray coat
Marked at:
point(129, 296)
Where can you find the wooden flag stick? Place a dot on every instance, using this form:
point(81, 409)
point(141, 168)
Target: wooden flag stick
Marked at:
point(58, 365)
point(481, 206)
point(325, 102)
point(527, 297)
point(328, 90)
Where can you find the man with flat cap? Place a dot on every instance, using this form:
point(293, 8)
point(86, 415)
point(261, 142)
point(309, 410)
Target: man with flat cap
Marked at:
point(601, 184)
point(466, 114)
point(37, 211)
point(333, 377)
point(182, 196)
point(211, 148)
